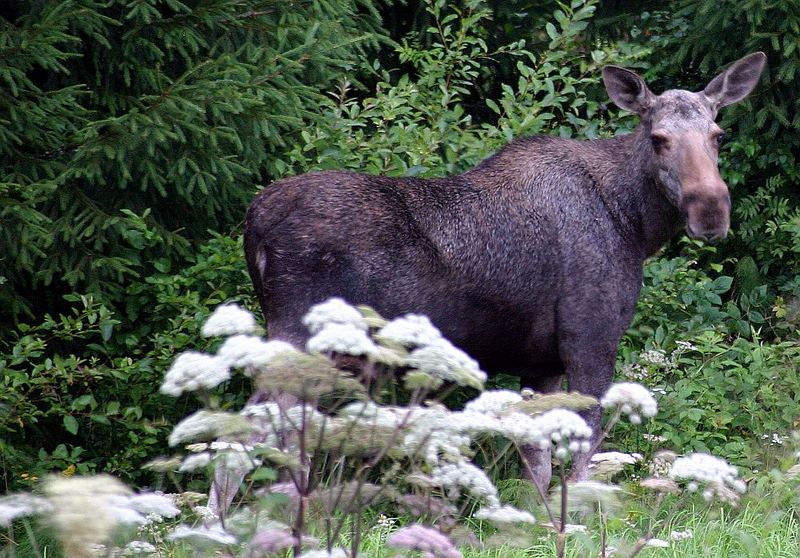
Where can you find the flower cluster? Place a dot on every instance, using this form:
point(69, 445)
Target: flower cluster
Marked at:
point(633, 400)
point(110, 502)
point(423, 539)
point(495, 403)
point(203, 535)
point(247, 351)
point(411, 330)
point(443, 360)
point(342, 338)
point(566, 429)
point(504, 514)
point(333, 311)
point(192, 371)
point(207, 425)
point(229, 319)
point(715, 475)
point(453, 476)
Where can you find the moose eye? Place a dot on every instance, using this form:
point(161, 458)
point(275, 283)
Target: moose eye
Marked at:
point(721, 138)
point(660, 141)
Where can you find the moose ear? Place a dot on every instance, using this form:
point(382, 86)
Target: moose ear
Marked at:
point(735, 83)
point(627, 89)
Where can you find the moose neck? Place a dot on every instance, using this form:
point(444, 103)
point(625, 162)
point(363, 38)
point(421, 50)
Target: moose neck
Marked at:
point(635, 196)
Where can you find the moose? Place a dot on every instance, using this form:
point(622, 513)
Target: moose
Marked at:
point(532, 261)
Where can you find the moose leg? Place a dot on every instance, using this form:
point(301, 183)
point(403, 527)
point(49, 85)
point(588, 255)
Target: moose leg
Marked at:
point(537, 466)
point(589, 360)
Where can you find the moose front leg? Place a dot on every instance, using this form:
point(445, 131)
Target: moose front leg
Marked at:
point(589, 362)
point(537, 464)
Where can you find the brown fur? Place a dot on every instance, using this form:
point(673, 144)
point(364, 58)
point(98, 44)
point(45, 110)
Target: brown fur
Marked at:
point(531, 262)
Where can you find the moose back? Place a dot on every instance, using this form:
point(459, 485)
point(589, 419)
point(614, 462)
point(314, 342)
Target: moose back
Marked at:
point(532, 261)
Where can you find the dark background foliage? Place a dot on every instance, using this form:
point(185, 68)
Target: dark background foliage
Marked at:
point(133, 134)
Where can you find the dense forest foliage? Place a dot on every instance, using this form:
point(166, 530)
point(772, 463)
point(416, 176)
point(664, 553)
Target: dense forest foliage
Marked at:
point(135, 132)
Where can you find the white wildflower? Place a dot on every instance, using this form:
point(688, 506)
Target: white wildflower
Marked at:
point(443, 360)
point(495, 402)
point(680, 535)
point(607, 464)
point(505, 514)
point(207, 424)
point(229, 319)
point(564, 428)
point(656, 357)
point(192, 371)
point(149, 503)
point(569, 528)
point(341, 338)
point(205, 513)
point(137, 548)
point(385, 522)
point(21, 505)
point(654, 438)
point(435, 434)
point(716, 475)
point(634, 400)
point(584, 495)
point(635, 372)
point(75, 500)
point(411, 330)
point(333, 311)
point(202, 535)
point(657, 543)
point(247, 351)
point(463, 474)
point(775, 438)
point(662, 463)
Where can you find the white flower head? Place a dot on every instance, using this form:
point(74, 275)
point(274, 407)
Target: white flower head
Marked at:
point(681, 535)
point(202, 535)
point(463, 474)
point(194, 462)
point(716, 475)
point(566, 429)
point(657, 543)
point(138, 548)
point(21, 505)
point(495, 402)
point(411, 330)
point(244, 351)
point(505, 514)
point(584, 495)
point(632, 399)
point(192, 371)
point(341, 338)
point(207, 424)
point(333, 311)
point(74, 498)
point(229, 319)
point(607, 464)
point(152, 503)
point(443, 360)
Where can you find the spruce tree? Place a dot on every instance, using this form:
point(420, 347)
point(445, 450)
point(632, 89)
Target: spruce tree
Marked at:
point(129, 129)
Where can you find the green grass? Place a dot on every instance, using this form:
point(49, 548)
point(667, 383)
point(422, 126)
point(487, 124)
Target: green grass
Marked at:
point(718, 532)
point(747, 532)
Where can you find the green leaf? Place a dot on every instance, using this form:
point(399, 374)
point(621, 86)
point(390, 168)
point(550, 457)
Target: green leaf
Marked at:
point(264, 473)
point(101, 419)
point(70, 424)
